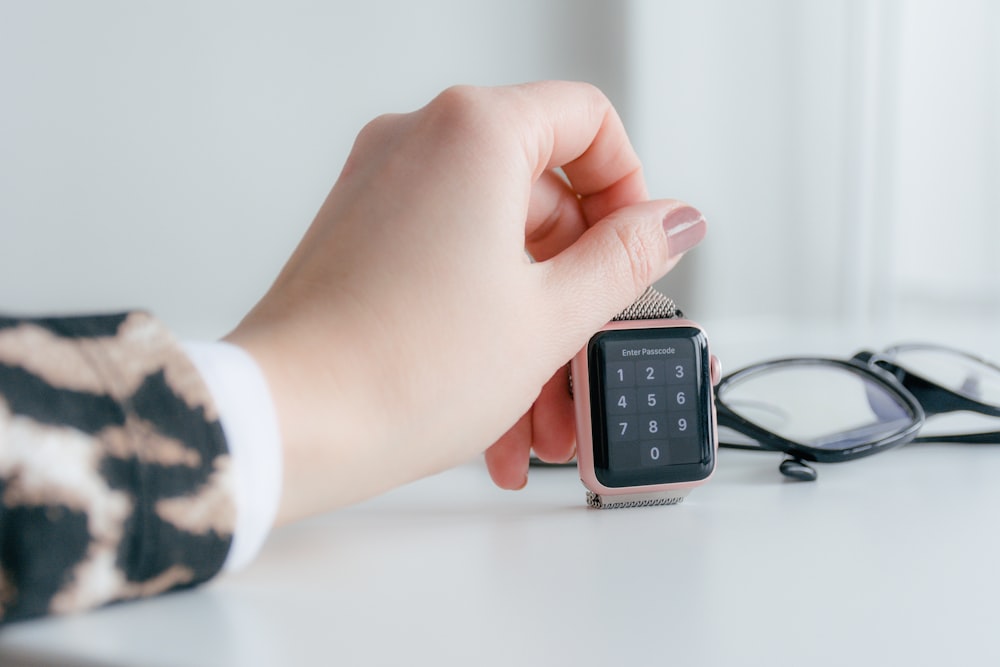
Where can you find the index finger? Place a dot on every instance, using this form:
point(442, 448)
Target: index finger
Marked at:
point(579, 130)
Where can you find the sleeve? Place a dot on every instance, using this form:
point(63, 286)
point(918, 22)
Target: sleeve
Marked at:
point(115, 478)
point(249, 420)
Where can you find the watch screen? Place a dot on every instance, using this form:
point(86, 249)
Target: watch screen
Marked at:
point(650, 405)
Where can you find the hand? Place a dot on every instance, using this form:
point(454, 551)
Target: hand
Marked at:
point(410, 330)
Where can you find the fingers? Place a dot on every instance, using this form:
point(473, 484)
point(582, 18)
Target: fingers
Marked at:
point(579, 130)
point(528, 132)
point(548, 428)
point(614, 261)
point(553, 428)
point(555, 219)
point(507, 458)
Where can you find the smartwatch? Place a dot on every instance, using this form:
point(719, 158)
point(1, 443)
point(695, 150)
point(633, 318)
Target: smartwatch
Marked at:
point(645, 412)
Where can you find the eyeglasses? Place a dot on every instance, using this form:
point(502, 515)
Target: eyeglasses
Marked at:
point(829, 410)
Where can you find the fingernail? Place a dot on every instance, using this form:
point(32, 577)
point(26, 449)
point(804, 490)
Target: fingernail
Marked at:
point(685, 227)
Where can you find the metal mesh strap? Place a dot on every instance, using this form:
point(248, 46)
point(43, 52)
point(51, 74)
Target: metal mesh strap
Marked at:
point(651, 305)
point(598, 501)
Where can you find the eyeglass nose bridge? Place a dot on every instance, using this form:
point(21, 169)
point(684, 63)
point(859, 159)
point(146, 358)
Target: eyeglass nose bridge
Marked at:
point(878, 364)
point(864, 357)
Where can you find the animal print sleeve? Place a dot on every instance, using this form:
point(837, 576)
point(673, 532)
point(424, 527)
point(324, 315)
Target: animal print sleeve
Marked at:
point(114, 471)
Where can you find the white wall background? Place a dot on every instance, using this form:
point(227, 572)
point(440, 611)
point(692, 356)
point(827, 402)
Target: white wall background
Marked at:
point(169, 155)
point(848, 153)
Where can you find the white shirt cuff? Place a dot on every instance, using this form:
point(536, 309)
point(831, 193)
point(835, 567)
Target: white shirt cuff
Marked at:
point(250, 423)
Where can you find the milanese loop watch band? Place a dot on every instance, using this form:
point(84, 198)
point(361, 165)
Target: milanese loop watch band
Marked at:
point(634, 500)
point(651, 305)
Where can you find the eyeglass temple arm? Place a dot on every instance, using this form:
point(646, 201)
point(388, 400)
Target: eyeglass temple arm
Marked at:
point(984, 438)
point(933, 398)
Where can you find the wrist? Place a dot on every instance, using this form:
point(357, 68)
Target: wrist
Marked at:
point(333, 452)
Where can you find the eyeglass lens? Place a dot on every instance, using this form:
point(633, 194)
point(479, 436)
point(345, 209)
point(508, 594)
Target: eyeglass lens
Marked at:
point(817, 404)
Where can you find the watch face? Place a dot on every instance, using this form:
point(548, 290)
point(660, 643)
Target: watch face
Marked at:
point(651, 406)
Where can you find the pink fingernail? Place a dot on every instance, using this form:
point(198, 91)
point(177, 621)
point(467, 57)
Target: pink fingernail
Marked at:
point(685, 227)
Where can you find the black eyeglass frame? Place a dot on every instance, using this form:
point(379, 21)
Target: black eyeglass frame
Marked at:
point(919, 396)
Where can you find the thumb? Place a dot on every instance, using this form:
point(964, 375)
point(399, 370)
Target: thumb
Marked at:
point(615, 260)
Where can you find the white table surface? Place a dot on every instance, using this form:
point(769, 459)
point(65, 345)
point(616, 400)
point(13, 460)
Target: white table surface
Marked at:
point(890, 560)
